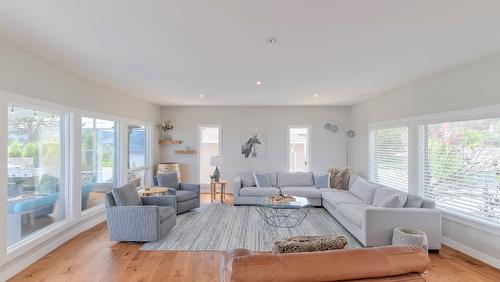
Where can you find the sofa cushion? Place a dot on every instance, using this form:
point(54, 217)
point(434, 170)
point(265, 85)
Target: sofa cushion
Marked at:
point(335, 197)
point(184, 195)
point(352, 212)
point(168, 179)
point(364, 190)
point(166, 212)
point(302, 191)
point(389, 198)
point(262, 179)
point(321, 179)
point(126, 195)
point(259, 192)
point(352, 179)
point(247, 179)
point(273, 177)
point(413, 201)
point(295, 179)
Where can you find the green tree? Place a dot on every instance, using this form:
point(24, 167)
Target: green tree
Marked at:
point(31, 151)
point(15, 149)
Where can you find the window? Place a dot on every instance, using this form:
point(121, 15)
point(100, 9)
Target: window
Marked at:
point(209, 147)
point(36, 170)
point(138, 162)
point(389, 157)
point(298, 149)
point(98, 160)
point(461, 167)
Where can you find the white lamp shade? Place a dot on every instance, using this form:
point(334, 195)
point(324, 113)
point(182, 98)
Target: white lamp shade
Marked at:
point(215, 161)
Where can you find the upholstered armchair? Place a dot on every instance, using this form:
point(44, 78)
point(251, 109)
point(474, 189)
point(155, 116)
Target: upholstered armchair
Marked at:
point(188, 195)
point(138, 219)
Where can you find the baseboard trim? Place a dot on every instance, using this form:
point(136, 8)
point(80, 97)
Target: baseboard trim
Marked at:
point(471, 252)
point(11, 268)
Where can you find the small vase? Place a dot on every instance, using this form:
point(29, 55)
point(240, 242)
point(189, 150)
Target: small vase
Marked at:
point(217, 174)
point(165, 136)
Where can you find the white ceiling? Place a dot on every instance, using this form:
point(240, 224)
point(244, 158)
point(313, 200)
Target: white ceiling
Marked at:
point(170, 52)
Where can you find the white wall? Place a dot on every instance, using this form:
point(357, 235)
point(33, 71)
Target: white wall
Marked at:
point(30, 77)
point(327, 150)
point(473, 85)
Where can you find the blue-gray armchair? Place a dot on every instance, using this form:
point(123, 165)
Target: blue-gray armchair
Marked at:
point(188, 195)
point(138, 219)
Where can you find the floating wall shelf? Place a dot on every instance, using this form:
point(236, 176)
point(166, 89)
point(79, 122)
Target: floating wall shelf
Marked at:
point(170, 142)
point(185, 152)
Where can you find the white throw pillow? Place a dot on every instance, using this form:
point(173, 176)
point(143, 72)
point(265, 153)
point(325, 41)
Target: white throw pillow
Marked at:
point(262, 179)
point(385, 195)
point(364, 190)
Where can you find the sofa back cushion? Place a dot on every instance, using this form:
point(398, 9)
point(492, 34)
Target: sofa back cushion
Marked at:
point(295, 179)
point(126, 195)
point(364, 190)
point(413, 201)
point(262, 179)
point(321, 179)
point(247, 179)
point(273, 177)
point(389, 198)
point(352, 179)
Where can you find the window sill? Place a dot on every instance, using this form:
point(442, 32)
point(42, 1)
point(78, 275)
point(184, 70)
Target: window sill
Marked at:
point(471, 222)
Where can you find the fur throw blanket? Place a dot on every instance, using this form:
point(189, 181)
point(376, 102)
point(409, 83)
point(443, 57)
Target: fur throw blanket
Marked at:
point(298, 244)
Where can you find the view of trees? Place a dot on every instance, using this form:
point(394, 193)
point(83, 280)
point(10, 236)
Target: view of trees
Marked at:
point(462, 166)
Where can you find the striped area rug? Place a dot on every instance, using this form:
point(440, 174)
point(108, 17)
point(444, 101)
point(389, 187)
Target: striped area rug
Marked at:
point(218, 227)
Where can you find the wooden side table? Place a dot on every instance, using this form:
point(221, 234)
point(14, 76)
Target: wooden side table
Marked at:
point(153, 191)
point(213, 190)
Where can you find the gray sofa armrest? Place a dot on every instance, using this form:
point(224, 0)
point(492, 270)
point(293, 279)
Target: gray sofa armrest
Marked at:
point(236, 187)
point(169, 200)
point(190, 187)
point(133, 223)
point(379, 223)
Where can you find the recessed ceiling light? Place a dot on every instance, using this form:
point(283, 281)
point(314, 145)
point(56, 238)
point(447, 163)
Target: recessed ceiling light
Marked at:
point(316, 95)
point(258, 82)
point(271, 40)
point(201, 95)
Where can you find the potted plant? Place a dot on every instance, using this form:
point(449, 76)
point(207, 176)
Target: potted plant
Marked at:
point(165, 127)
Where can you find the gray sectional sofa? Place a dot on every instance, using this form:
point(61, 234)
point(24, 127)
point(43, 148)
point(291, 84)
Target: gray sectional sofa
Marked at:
point(367, 210)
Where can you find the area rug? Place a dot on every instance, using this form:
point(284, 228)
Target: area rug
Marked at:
point(217, 227)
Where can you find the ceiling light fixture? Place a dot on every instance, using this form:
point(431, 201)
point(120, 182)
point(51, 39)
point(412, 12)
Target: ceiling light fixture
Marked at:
point(271, 40)
point(201, 95)
point(316, 95)
point(258, 82)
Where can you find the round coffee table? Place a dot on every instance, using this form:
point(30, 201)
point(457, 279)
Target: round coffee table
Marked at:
point(286, 214)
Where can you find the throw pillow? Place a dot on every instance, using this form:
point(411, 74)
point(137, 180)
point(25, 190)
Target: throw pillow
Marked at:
point(321, 180)
point(339, 178)
point(383, 195)
point(247, 179)
point(299, 244)
point(391, 202)
point(413, 201)
point(262, 179)
point(168, 180)
point(126, 195)
point(364, 190)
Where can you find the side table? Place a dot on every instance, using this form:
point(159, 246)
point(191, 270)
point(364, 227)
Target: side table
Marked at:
point(213, 190)
point(153, 191)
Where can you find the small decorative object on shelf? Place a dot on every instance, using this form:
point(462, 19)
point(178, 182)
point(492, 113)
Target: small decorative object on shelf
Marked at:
point(165, 127)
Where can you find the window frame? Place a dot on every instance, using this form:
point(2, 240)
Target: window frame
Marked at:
point(309, 144)
point(148, 166)
point(117, 155)
point(371, 146)
point(415, 177)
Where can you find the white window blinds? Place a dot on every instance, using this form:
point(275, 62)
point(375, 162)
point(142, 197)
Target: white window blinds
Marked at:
point(461, 169)
point(389, 157)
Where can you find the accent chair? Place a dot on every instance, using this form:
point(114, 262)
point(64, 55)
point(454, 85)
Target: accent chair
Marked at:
point(188, 195)
point(138, 219)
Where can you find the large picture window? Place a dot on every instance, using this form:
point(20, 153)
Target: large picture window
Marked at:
point(138, 163)
point(36, 170)
point(461, 167)
point(98, 160)
point(389, 157)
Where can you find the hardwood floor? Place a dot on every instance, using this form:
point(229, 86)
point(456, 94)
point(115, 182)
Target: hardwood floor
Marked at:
point(90, 256)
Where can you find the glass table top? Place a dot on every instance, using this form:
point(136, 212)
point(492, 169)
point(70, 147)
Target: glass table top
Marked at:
point(295, 203)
